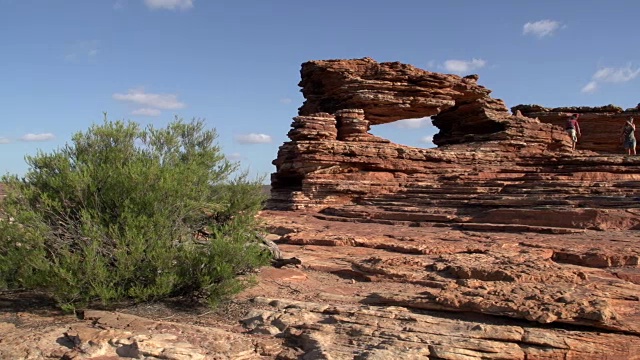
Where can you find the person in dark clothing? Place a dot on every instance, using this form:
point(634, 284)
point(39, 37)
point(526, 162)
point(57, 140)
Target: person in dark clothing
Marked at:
point(628, 136)
point(573, 129)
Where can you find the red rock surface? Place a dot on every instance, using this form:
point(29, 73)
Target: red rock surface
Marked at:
point(385, 91)
point(489, 247)
point(501, 220)
point(436, 292)
point(490, 168)
point(382, 291)
point(601, 126)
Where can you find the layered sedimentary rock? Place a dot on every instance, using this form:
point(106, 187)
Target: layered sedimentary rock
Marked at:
point(491, 168)
point(371, 291)
point(111, 336)
point(385, 91)
point(601, 126)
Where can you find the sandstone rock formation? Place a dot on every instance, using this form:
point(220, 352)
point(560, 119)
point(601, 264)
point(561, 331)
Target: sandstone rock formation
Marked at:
point(401, 292)
point(491, 168)
point(377, 291)
point(488, 247)
point(106, 335)
point(375, 332)
point(601, 126)
point(387, 92)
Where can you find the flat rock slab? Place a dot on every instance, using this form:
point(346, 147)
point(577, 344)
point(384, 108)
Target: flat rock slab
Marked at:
point(376, 291)
point(585, 279)
point(107, 335)
point(323, 331)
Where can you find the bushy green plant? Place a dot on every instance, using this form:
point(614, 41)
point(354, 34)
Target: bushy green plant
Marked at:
point(126, 212)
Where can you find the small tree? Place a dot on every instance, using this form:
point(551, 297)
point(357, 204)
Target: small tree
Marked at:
point(125, 212)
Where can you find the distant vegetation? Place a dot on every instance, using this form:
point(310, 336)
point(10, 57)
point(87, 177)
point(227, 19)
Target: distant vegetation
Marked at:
point(126, 212)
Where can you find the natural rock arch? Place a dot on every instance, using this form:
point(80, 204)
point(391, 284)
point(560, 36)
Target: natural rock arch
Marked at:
point(490, 166)
point(463, 110)
point(411, 132)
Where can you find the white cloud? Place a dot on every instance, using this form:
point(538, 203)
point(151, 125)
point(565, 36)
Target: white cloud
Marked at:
point(611, 75)
point(413, 123)
point(427, 139)
point(4, 140)
point(146, 112)
point(158, 101)
point(590, 87)
point(541, 28)
point(253, 138)
point(285, 101)
point(169, 4)
point(119, 4)
point(616, 75)
point(81, 50)
point(234, 156)
point(463, 66)
point(37, 137)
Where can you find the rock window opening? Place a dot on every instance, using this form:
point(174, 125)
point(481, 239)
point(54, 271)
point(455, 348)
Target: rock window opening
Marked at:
point(417, 132)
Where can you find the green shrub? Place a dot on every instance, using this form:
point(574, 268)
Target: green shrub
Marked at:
point(126, 212)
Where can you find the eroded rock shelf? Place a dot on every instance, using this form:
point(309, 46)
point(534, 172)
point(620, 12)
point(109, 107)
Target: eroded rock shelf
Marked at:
point(491, 166)
point(499, 244)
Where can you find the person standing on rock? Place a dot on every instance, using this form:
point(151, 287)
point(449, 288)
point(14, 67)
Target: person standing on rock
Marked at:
point(573, 129)
point(628, 136)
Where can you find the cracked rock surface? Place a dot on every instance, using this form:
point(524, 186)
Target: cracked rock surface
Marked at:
point(377, 291)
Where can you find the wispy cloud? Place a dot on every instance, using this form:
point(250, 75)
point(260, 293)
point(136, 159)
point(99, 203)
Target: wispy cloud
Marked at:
point(146, 112)
point(150, 100)
point(119, 4)
point(616, 75)
point(590, 87)
point(169, 4)
point(611, 75)
point(413, 123)
point(431, 64)
point(234, 156)
point(4, 140)
point(285, 101)
point(37, 137)
point(541, 28)
point(427, 139)
point(464, 66)
point(253, 138)
point(82, 50)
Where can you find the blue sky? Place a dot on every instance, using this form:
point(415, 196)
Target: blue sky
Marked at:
point(236, 63)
